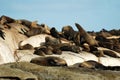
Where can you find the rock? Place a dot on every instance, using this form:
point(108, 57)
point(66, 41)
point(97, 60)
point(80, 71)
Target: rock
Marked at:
point(15, 32)
point(9, 73)
point(6, 54)
point(25, 70)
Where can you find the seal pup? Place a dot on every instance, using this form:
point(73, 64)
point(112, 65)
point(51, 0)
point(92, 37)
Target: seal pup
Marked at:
point(49, 61)
point(88, 38)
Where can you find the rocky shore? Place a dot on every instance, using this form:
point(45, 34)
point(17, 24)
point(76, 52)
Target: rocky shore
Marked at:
point(32, 51)
point(29, 71)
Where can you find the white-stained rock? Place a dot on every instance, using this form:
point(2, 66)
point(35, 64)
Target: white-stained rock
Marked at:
point(35, 41)
point(110, 61)
point(6, 54)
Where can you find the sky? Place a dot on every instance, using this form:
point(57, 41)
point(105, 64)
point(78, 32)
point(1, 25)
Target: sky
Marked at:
point(92, 15)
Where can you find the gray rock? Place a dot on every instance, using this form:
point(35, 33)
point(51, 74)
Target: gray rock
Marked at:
point(9, 73)
point(25, 70)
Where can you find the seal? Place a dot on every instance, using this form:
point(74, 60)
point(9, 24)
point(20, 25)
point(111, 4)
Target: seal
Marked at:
point(58, 47)
point(25, 47)
point(111, 53)
point(51, 41)
point(69, 34)
point(84, 35)
point(92, 65)
point(34, 28)
point(44, 49)
point(54, 32)
point(52, 44)
point(96, 65)
point(49, 61)
point(34, 31)
point(68, 47)
point(5, 19)
point(39, 52)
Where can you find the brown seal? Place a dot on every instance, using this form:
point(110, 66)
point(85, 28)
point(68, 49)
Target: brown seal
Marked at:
point(34, 31)
point(25, 47)
point(5, 19)
point(69, 34)
point(34, 28)
point(111, 53)
point(87, 37)
point(92, 65)
point(96, 65)
point(54, 32)
point(49, 61)
point(43, 50)
point(39, 52)
point(58, 47)
point(51, 41)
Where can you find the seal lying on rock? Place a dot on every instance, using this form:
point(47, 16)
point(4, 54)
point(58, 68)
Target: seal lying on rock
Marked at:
point(26, 47)
point(69, 34)
point(34, 28)
point(49, 61)
point(43, 50)
point(57, 47)
point(91, 64)
point(96, 65)
point(6, 19)
point(111, 53)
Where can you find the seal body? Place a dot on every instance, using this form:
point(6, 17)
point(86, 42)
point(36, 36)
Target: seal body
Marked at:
point(49, 61)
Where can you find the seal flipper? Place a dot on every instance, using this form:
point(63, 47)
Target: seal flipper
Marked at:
point(2, 35)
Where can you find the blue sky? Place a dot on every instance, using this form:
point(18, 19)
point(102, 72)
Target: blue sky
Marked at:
point(91, 14)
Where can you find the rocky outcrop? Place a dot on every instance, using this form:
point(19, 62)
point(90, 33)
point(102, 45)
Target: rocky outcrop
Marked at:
point(29, 71)
point(23, 40)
